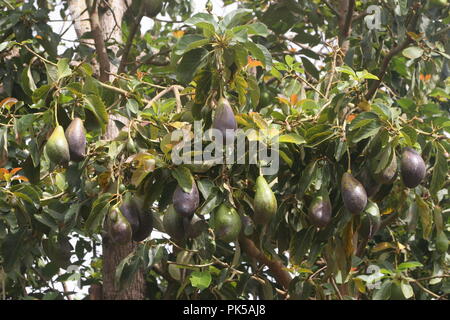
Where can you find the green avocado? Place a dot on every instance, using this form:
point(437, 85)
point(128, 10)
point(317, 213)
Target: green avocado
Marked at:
point(226, 223)
point(265, 203)
point(57, 147)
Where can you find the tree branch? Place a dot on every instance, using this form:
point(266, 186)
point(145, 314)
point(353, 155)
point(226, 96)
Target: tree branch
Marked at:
point(129, 43)
point(100, 47)
point(393, 52)
point(276, 267)
point(348, 18)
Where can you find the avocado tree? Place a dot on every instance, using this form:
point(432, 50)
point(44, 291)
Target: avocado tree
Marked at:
point(351, 97)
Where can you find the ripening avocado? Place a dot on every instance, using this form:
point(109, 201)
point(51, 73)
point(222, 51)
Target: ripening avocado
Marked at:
point(57, 147)
point(224, 119)
point(226, 223)
point(152, 7)
point(130, 212)
point(368, 182)
point(185, 203)
point(319, 212)
point(76, 138)
point(396, 292)
point(441, 242)
point(412, 168)
point(265, 203)
point(353, 194)
point(173, 224)
point(119, 227)
point(388, 174)
point(145, 220)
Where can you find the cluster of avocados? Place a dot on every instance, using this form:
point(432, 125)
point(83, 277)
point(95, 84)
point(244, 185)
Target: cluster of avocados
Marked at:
point(129, 221)
point(355, 192)
point(70, 145)
point(180, 221)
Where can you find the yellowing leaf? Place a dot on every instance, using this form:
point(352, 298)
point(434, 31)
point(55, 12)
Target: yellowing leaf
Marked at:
point(360, 285)
point(283, 99)
point(253, 62)
point(178, 34)
point(383, 246)
point(364, 106)
point(294, 99)
point(387, 211)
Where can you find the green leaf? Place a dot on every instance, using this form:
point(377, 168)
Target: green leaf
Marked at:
point(185, 41)
point(184, 178)
point(95, 104)
point(425, 217)
point(311, 68)
point(200, 279)
point(440, 172)
point(256, 52)
point(63, 68)
point(201, 17)
point(52, 73)
point(27, 82)
point(189, 64)
point(384, 293)
point(291, 138)
point(409, 265)
point(254, 91)
point(306, 178)
point(407, 290)
point(126, 270)
point(98, 212)
point(236, 17)
point(412, 52)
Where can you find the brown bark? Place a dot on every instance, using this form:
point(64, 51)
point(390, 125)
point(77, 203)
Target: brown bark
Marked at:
point(275, 266)
point(113, 254)
point(105, 25)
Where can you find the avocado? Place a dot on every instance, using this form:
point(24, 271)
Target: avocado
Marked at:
point(226, 223)
point(57, 147)
point(319, 212)
point(152, 7)
point(140, 220)
point(396, 292)
point(119, 227)
point(76, 138)
point(224, 119)
point(173, 224)
point(412, 168)
point(353, 194)
point(185, 203)
point(265, 203)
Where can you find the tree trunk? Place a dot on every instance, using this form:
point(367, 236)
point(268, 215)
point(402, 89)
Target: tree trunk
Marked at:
point(113, 254)
point(110, 16)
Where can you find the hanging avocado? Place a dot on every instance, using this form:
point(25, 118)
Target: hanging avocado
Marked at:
point(119, 228)
point(226, 223)
point(412, 168)
point(76, 138)
point(441, 242)
point(57, 147)
point(185, 203)
point(152, 7)
point(224, 119)
point(319, 212)
point(353, 194)
point(173, 224)
point(145, 220)
point(265, 203)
